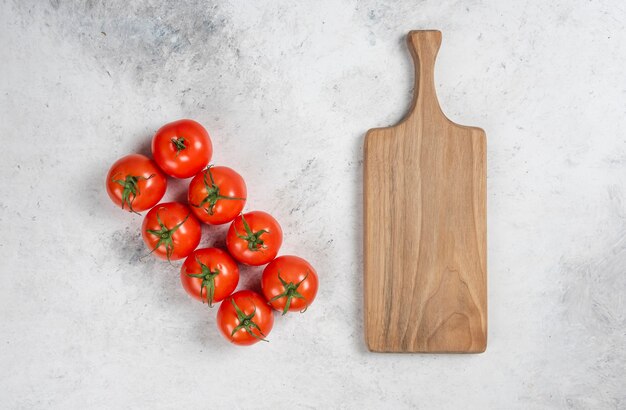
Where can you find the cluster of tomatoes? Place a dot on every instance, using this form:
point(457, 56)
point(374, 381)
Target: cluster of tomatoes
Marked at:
point(217, 195)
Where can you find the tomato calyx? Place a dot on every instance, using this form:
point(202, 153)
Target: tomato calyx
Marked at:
point(179, 144)
point(165, 235)
point(290, 292)
point(213, 193)
point(131, 187)
point(254, 240)
point(208, 281)
point(246, 322)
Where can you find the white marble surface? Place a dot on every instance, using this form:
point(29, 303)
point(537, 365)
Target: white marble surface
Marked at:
point(287, 90)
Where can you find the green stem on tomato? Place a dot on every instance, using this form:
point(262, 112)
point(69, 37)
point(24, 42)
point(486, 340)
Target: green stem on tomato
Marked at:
point(208, 281)
point(165, 235)
point(179, 144)
point(255, 243)
point(246, 322)
point(213, 194)
point(131, 187)
point(290, 292)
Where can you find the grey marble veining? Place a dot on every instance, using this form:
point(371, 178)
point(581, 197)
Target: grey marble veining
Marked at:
point(287, 90)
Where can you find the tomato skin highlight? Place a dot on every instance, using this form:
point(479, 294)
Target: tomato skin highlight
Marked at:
point(184, 239)
point(230, 185)
point(248, 302)
point(257, 221)
point(187, 159)
point(151, 182)
point(215, 259)
point(295, 270)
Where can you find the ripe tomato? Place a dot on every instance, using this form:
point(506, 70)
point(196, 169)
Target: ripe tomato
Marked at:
point(244, 318)
point(209, 275)
point(254, 238)
point(171, 231)
point(135, 182)
point(217, 195)
point(289, 283)
point(182, 148)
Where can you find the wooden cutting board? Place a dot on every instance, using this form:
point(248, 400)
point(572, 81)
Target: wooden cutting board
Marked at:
point(425, 239)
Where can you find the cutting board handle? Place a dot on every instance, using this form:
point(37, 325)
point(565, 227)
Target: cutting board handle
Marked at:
point(424, 45)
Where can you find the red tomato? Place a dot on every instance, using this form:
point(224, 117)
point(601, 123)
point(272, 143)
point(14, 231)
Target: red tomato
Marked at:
point(182, 148)
point(254, 238)
point(135, 182)
point(217, 195)
point(244, 318)
point(289, 283)
point(171, 231)
point(209, 275)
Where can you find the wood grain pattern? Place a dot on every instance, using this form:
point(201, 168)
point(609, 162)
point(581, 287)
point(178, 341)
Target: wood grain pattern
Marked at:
point(425, 225)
